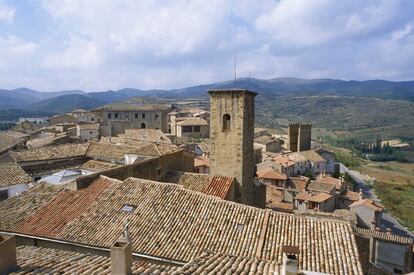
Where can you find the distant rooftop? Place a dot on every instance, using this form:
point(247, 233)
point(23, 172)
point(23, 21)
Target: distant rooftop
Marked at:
point(136, 107)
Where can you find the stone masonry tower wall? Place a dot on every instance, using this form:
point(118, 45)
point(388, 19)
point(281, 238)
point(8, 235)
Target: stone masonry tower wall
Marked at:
point(293, 134)
point(300, 136)
point(231, 135)
point(305, 135)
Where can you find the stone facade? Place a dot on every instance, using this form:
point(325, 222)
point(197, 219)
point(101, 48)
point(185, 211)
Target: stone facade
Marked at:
point(300, 136)
point(232, 134)
point(140, 116)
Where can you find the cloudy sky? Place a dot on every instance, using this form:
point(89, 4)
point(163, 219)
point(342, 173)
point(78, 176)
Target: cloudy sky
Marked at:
point(101, 44)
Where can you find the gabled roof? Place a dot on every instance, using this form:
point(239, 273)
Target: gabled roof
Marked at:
point(150, 135)
point(51, 152)
point(11, 174)
point(218, 186)
point(383, 236)
point(88, 126)
point(193, 121)
point(98, 166)
point(321, 186)
point(368, 203)
point(219, 263)
point(172, 222)
point(201, 161)
point(331, 180)
point(319, 197)
point(268, 173)
point(265, 140)
point(351, 195)
point(136, 107)
point(40, 260)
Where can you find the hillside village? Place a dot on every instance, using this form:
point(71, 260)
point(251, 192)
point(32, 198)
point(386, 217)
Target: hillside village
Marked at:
point(182, 189)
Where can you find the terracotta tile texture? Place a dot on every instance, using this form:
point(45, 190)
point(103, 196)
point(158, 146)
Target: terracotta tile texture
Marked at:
point(172, 222)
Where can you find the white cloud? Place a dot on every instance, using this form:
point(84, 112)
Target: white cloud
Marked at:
point(6, 12)
point(303, 23)
point(104, 44)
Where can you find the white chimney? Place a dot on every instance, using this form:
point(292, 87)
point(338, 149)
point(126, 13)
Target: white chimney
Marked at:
point(121, 254)
point(290, 260)
point(8, 258)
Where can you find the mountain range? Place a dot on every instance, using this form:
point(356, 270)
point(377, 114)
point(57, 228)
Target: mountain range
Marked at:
point(23, 100)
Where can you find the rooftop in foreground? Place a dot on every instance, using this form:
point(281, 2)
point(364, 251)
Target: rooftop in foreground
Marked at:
point(172, 222)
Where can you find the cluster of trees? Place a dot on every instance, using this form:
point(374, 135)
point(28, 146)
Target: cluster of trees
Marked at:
point(6, 125)
point(374, 150)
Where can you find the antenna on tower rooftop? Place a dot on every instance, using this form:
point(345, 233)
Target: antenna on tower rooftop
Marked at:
point(235, 70)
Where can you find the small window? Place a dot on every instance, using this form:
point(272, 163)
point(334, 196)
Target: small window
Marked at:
point(129, 208)
point(143, 115)
point(90, 132)
point(92, 119)
point(187, 129)
point(116, 115)
point(109, 116)
point(197, 129)
point(143, 125)
point(226, 122)
point(136, 115)
point(159, 171)
point(4, 195)
point(156, 116)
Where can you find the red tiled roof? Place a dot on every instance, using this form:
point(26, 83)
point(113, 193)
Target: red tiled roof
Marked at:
point(219, 186)
point(368, 203)
point(270, 174)
point(68, 203)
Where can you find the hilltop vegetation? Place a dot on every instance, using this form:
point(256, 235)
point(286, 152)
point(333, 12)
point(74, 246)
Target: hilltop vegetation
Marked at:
point(359, 117)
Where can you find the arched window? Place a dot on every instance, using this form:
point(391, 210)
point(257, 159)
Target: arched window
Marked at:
point(143, 125)
point(226, 122)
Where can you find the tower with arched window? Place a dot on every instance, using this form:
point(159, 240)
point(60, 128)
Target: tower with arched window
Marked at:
point(232, 135)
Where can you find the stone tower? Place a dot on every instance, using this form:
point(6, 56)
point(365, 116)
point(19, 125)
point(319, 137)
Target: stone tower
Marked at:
point(305, 136)
point(232, 135)
point(293, 136)
point(299, 136)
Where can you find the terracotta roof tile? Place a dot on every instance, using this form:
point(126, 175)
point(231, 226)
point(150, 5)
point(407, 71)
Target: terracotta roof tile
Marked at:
point(193, 121)
point(51, 152)
point(368, 203)
point(218, 186)
point(98, 166)
point(219, 263)
point(36, 260)
point(270, 174)
point(383, 236)
point(15, 210)
point(11, 174)
point(319, 197)
point(136, 107)
point(172, 222)
point(52, 217)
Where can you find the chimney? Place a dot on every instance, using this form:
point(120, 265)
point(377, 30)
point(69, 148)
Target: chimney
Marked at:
point(121, 254)
point(360, 194)
point(290, 260)
point(8, 258)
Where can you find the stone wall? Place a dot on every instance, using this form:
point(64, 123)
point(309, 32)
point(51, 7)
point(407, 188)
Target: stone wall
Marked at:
point(232, 149)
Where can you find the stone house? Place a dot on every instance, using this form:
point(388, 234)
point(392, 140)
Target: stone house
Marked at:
point(87, 132)
point(270, 177)
point(391, 253)
point(202, 165)
point(313, 201)
point(193, 127)
point(141, 116)
point(270, 144)
point(369, 213)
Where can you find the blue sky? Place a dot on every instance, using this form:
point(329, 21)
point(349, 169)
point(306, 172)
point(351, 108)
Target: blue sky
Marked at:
point(100, 44)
